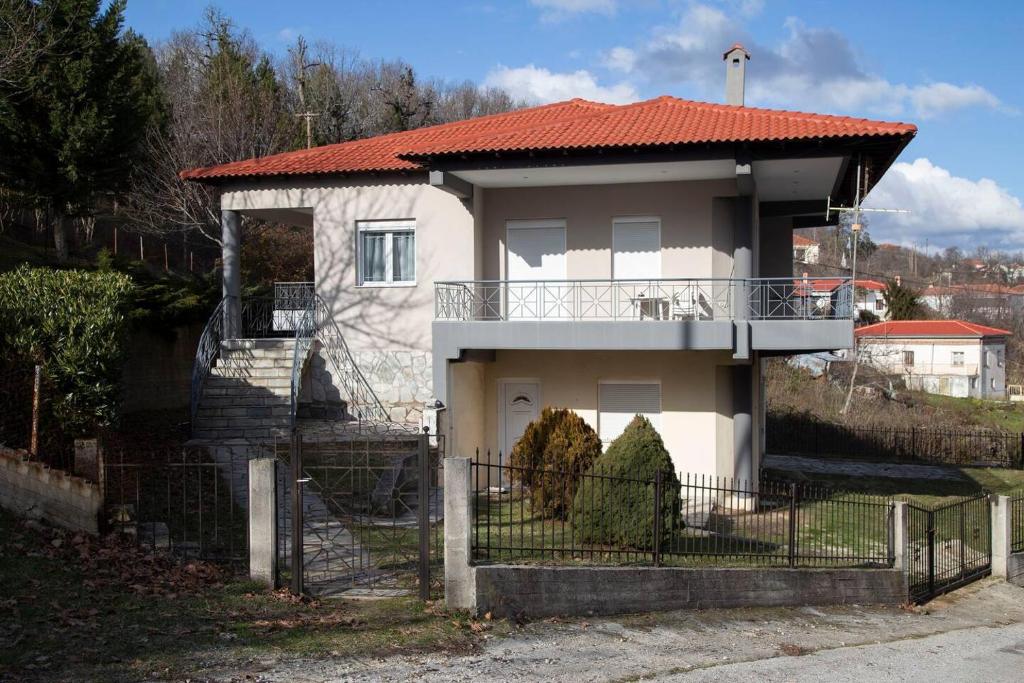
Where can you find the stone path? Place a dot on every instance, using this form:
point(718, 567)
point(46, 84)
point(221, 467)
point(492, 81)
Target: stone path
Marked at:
point(797, 463)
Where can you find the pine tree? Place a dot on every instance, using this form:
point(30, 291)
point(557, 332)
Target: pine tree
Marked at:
point(903, 303)
point(72, 121)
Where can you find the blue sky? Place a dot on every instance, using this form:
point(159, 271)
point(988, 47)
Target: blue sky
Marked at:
point(950, 67)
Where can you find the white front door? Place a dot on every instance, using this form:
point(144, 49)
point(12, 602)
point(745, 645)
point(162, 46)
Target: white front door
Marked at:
point(535, 253)
point(520, 407)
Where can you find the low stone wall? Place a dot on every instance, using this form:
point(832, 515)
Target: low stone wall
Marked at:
point(30, 489)
point(1015, 569)
point(530, 591)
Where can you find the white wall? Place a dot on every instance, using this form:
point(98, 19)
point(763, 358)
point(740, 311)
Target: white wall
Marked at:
point(934, 358)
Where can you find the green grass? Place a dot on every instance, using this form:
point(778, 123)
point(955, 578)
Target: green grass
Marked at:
point(1001, 415)
point(60, 623)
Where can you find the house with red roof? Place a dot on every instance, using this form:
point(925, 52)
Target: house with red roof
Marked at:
point(948, 357)
point(612, 259)
point(805, 250)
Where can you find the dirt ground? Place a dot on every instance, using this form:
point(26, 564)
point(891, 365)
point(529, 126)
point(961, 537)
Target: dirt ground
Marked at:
point(652, 646)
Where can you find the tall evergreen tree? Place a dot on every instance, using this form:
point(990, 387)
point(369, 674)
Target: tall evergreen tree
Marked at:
point(902, 302)
point(71, 122)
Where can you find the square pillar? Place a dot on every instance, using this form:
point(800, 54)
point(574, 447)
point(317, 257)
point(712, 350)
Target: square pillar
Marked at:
point(263, 521)
point(231, 258)
point(459, 574)
point(1002, 535)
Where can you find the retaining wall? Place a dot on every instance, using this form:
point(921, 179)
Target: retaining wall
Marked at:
point(506, 590)
point(30, 489)
point(1015, 569)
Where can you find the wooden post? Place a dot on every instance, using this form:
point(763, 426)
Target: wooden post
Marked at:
point(37, 387)
point(165, 258)
point(142, 254)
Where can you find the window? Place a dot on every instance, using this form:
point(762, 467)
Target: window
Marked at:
point(1000, 358)
point(879, 303)
point(958, 359)
point(988, 359)
point(908, 357)
point(636, 248)
point(386, 252)
point(992, 382)
point(619, 402)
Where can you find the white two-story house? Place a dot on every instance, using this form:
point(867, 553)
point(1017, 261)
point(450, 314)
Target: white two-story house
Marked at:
point(948, 357)
point(614, 260)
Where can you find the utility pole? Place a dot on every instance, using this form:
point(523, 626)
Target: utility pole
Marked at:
point(856, 225)
point(302, 64)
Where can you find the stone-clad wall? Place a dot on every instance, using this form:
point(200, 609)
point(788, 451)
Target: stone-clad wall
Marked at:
point(401, 379)
point(31, 489)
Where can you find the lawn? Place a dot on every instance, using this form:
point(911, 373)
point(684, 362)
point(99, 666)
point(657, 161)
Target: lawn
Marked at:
point(840, 530)
point(76, 608)
point(1006, 416)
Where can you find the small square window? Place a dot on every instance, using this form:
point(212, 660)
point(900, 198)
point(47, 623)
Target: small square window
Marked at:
point(386, 252)
point(908, 357)
point(958, 359)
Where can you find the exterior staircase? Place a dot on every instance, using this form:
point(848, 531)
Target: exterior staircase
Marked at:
point(248, 392)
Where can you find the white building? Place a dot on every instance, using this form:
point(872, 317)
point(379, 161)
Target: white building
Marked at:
point(805, 250)
point(948, 357)
point(869, 295)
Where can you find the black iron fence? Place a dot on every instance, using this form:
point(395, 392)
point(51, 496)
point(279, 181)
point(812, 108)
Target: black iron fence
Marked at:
point(793, 435)
point(189, 501)
point(1017, 523)
point(601, 518)
point(947, 546)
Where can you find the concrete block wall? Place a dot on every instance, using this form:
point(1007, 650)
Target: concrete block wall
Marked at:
point(31, 489)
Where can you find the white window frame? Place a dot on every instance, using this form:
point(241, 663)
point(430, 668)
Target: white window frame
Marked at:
point(908, 355)
point(957, 360)
point(626, 220)
point(387, 227)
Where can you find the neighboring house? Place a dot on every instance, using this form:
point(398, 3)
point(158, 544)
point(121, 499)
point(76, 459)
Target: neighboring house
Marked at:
point(869, 295)
point(615, 260)
point(991, 300)
point(805, 250)
point(949, 357)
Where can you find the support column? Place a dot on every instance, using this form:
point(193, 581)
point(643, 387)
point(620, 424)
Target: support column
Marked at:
point(231, 257)
point(459, 575)
point(742, 424)
point(743, 269)
point(263, 521)
point(1002, 536)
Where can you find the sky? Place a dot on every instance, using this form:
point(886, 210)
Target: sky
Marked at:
point(949, 66)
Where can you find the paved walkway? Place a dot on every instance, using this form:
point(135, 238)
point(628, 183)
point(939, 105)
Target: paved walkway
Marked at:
point(797, 463)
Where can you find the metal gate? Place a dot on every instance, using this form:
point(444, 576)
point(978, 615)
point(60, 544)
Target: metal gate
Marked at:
point(948, 546)
point(361, 514)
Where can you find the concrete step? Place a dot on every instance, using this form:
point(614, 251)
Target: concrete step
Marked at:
point(243, 400)
point(257, 344)
point(243, 372)
point(262, 412)
point(276, 382)
point(263, 362)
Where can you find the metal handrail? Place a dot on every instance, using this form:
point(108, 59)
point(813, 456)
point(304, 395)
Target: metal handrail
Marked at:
point(206, 353)
point(791, 298)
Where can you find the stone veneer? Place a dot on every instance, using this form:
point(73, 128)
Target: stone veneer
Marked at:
point(401, 379)
point(33, 490)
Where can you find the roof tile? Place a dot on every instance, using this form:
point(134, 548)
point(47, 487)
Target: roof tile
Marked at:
point(929, 328)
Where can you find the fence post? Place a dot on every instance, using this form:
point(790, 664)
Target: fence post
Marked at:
point(423, 514)
point(931, 552)
point(898, 535)
point(37, 388)
point(1020, 461)
point(657, 519)
point(792, 523)
point(1002, 535)
point(298, 544)
point(263, 521)
point(459, 574)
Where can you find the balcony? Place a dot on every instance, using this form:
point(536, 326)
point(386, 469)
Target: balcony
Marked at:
point(776, 314)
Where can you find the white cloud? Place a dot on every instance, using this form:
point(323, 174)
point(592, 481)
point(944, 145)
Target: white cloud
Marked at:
point(537, 84)
point(556, 10)
point(945, 208)
point(813, 68)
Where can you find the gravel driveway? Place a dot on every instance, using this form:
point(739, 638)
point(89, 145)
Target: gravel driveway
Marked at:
point(975, 634)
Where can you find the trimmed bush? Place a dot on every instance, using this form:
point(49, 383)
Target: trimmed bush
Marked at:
point(558, 441)
point(610, 511)
point(74, 323)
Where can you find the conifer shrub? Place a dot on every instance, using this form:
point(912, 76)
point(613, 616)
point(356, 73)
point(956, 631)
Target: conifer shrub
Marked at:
point(614, 503)
point(553, 453)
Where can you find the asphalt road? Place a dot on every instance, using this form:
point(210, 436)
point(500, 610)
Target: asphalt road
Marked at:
point(987, 654)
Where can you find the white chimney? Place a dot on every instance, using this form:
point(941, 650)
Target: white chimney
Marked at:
point(735, 73)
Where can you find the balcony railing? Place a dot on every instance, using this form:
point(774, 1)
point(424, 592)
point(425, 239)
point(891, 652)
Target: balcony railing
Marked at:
point(661, 299)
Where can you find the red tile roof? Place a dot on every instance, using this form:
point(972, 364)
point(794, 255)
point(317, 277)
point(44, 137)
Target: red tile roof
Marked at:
point(573, 125)
point(827, 284)
point(929, 328)
point(801, 241)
